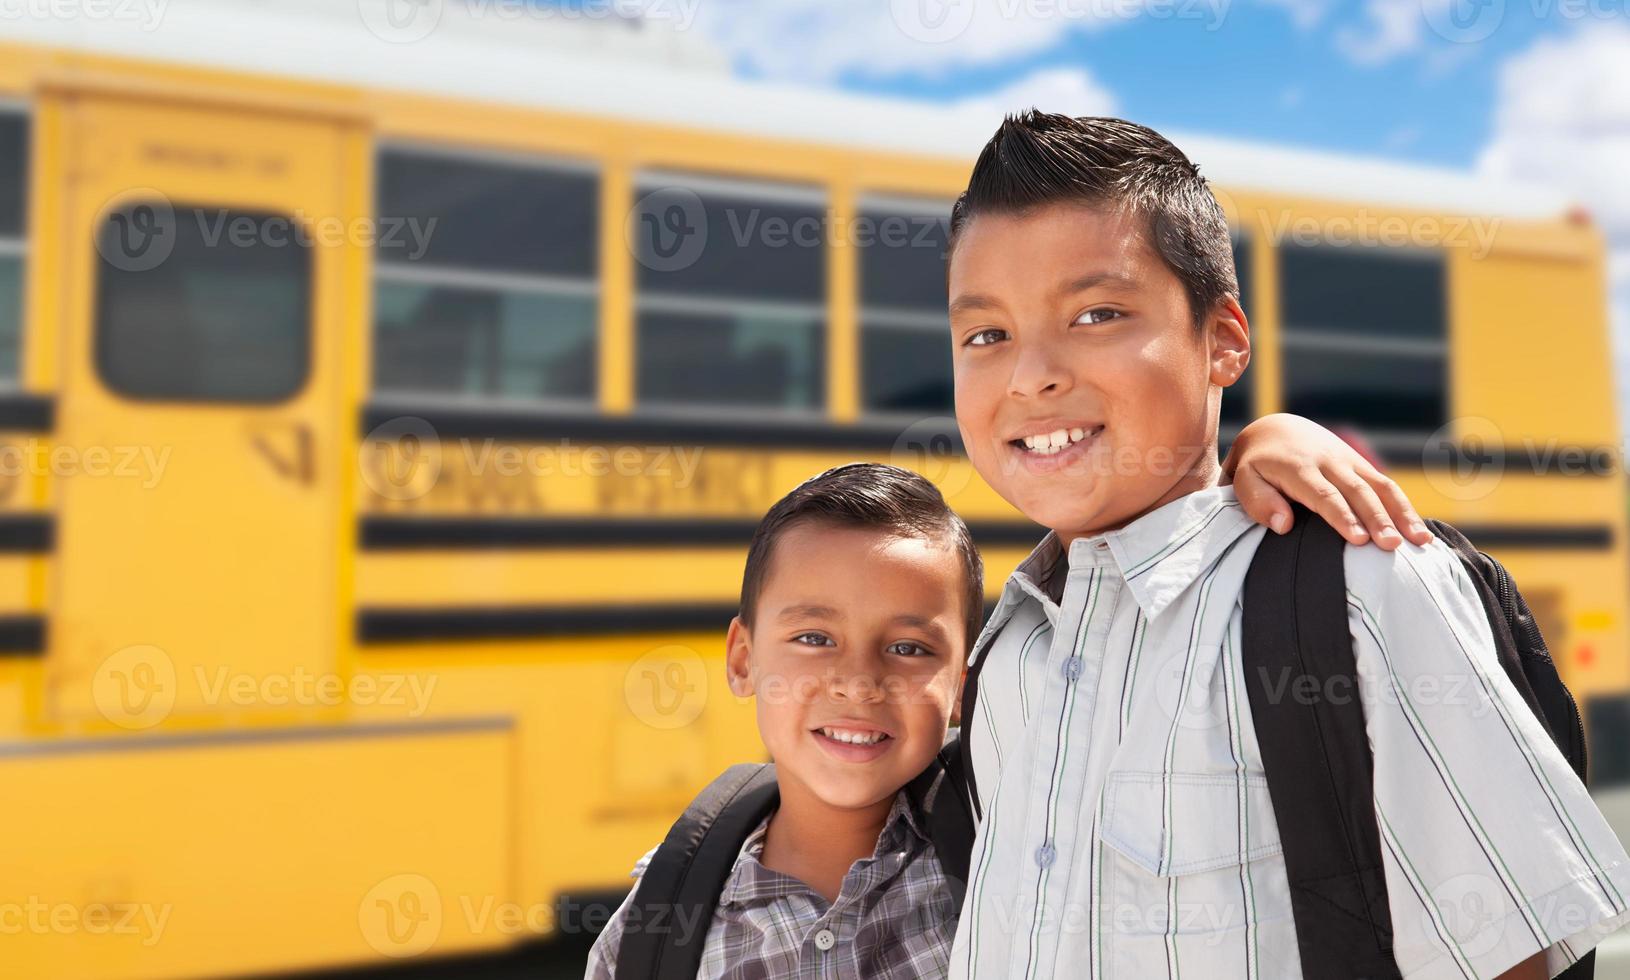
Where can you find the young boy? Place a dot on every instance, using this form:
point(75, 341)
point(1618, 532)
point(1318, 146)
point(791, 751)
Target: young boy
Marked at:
point(1126, 827)
point(861, 594)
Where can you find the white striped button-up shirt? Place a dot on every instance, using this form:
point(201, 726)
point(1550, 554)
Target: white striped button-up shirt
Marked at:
point(1128, 830)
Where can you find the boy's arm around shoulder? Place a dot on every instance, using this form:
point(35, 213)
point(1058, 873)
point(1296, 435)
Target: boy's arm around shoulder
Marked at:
point(1494, 851)
point(602, 964)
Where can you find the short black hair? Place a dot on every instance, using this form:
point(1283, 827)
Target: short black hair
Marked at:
point(1042, 158)
point(868, 495)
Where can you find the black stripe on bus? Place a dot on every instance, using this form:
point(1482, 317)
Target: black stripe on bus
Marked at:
point(392, 533)
point(935, 434)
point(742, 429)
point(530, 622)
point(496, 533)
point(21, 411)
point(1539, 537)
point(27, 533)
point(22, 636)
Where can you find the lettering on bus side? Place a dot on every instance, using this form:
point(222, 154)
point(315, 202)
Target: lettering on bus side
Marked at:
point(488, 477)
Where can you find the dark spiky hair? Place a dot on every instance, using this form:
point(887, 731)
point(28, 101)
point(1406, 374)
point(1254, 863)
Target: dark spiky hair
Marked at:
point(873, 496)
point(1042, 158)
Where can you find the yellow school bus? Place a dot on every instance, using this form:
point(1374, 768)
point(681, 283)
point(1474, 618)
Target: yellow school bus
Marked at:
point(384, 420)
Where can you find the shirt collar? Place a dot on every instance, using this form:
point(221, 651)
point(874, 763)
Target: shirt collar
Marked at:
point(750, 880)
point(1159, 555)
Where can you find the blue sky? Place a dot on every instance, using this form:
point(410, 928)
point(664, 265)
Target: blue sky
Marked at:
point(1532, 90)
point(1257, 72)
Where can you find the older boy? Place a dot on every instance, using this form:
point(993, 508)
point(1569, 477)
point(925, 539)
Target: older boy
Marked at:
point(1127, 829)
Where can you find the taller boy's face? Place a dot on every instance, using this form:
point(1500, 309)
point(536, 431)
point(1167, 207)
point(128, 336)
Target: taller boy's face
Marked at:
point(1084, 392)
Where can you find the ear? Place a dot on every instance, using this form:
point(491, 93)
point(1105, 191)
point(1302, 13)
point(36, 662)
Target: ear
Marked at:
point(1230, 337)
point(738, 658)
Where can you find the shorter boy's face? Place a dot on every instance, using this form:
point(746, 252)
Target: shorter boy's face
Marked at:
point(855, 658)
point(1067, 327)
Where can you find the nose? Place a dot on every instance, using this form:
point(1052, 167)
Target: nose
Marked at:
point(854, 680)
point(1037, 371)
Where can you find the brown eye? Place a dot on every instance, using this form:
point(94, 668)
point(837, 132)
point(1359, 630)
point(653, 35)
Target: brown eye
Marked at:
point(986, 337)
point(906, 648)
point(1098, 316)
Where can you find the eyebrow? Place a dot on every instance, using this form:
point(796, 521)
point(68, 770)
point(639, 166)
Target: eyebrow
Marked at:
point(813, 611)
point(978, 301)
point(808, 611)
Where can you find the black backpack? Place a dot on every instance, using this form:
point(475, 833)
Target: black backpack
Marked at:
point(1332, 846)
point(1295, 624)
point(681, 885)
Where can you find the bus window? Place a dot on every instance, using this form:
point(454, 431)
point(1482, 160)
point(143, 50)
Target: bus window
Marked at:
point(223, 316)
point(1237, 406)
point(905, 341)
point(731, 294)
point(1365, 336)
point(13, 238)
point(487, 277)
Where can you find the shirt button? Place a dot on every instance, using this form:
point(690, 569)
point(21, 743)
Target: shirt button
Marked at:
point(1072, 668)
point(1045, 854)
point(824, 940)
point(1102, 545)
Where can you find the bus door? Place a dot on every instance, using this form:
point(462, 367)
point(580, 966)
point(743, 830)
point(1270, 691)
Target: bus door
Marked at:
point(198, 529)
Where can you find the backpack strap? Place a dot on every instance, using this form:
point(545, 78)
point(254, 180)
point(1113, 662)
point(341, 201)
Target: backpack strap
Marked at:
point(1315, 749)
point(970, 698)
point(676, 897)
point(940, 797)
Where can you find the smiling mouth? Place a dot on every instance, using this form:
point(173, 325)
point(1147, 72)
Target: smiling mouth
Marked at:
point(852, 736)
point(1054, 442)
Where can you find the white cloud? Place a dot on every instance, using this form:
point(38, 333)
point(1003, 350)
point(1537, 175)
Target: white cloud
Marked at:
point(824, 40)
point(1305, 14)
point(818, 40)
point(1402, 137)
point(1391, 28)
point(1071, 91)
point(1563, 118)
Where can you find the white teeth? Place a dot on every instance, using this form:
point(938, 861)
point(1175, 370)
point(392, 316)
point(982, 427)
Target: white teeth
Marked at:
point(853, 737)
point(1049, 443)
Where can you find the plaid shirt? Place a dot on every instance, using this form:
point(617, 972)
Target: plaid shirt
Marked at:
point(894, 916)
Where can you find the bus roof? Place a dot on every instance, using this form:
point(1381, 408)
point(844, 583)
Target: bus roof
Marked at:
point(646, 72)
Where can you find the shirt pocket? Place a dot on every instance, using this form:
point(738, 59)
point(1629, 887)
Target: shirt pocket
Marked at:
point(1192, 873)
point(1181, 823)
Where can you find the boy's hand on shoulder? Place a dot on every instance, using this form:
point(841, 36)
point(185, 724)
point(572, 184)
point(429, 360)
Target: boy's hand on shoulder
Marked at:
point(1283, 455)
